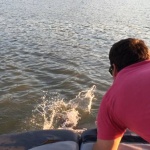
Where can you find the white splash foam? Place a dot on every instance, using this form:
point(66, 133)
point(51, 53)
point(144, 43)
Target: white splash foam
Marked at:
point(53, 113)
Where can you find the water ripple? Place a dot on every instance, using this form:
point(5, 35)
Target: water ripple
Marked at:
point(60, 46)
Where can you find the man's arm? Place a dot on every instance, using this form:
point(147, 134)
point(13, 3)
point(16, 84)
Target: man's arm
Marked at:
point(107, 144)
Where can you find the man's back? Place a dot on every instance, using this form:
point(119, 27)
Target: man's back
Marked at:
point(130, 99)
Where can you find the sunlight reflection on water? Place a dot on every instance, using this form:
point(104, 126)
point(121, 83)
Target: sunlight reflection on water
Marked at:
point(60, 46)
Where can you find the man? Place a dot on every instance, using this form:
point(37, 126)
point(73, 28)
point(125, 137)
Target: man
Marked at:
point(127, 103)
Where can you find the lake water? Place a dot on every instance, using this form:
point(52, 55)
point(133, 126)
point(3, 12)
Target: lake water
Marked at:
point(54, 58)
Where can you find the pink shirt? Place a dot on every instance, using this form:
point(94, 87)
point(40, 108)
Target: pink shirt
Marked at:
point(126, 104)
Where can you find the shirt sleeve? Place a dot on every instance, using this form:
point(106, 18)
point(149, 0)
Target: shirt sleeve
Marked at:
point(108, 127)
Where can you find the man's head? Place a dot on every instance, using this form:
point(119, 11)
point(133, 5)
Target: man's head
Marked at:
point(127, 52)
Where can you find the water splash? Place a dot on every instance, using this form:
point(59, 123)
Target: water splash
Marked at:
point(84, 99)
point(54, 112)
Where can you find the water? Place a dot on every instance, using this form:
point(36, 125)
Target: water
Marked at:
point(53, 53)
point(53, 112)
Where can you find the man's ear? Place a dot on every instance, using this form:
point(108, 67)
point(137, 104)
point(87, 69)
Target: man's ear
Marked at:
point(149, 53)
point(115, 71)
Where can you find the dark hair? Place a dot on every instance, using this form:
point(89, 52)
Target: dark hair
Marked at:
point(127, 52)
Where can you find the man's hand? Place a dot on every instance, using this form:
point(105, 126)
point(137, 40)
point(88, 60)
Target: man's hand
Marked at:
point(107, 144)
